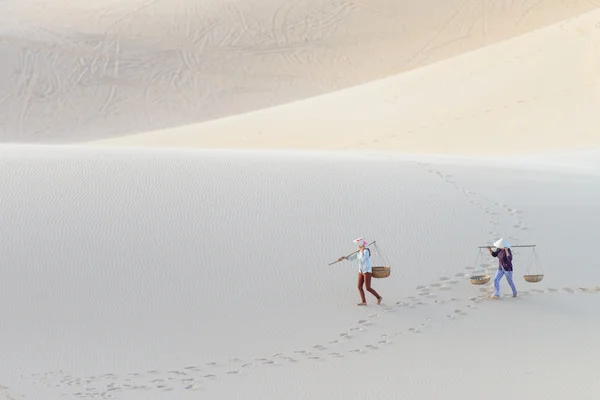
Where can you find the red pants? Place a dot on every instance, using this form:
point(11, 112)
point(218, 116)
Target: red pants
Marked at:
point(366, 280)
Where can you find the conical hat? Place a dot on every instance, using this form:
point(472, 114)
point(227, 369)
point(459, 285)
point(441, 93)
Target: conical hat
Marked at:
point(360, 241)
point(501, 243)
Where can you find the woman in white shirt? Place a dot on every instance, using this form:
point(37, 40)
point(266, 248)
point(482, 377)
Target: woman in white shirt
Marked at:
point(363, 256)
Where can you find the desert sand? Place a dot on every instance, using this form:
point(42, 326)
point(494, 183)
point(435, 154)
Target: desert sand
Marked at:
point(536, 92)
point(168, 235)
point(80, 71)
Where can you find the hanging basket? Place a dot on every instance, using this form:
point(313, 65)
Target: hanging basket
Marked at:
point(534, 272)
point(533, 278)
point(381, 272)
point(479, 279)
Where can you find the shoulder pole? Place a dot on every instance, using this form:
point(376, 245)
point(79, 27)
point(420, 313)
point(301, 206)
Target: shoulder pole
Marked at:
point(352, 253)
point(517, 245)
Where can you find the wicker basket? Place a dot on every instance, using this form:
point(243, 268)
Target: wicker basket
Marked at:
point(533, 278)
point(479, 279)
point(381, 272)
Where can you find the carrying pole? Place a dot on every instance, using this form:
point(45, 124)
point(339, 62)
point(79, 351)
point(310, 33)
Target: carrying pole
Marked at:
point(517, 245)
point(373, 242)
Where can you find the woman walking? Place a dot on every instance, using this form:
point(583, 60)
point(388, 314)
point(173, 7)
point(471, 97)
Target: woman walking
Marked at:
point(363, 255)
point(505, 267)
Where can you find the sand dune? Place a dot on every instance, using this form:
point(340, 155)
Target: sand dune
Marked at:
point(518, 96)
point(136, 273)
point(168, 271)
point(77, 71)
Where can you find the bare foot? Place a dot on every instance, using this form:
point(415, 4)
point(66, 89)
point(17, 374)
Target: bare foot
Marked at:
point(379, 300)
point(361, 304)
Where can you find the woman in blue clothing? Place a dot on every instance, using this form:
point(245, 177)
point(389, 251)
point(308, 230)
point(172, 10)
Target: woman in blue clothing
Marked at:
point(363, 255)
point(504, 255)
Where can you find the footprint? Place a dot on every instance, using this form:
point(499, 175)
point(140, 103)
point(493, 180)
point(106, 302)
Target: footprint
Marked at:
point(421, 287)
point(232, 372)
point(444, 278)
point(568, 290)
point(334, 342)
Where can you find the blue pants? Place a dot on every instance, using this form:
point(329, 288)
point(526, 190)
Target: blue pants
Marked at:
point(509, 278)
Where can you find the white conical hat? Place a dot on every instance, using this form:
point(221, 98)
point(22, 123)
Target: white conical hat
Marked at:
point(501, 243)
point(360, 241)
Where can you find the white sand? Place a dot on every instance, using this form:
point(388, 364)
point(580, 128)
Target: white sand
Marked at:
point(521, 95)
point(80, 70)
point(119, 263)
point(185, 273)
